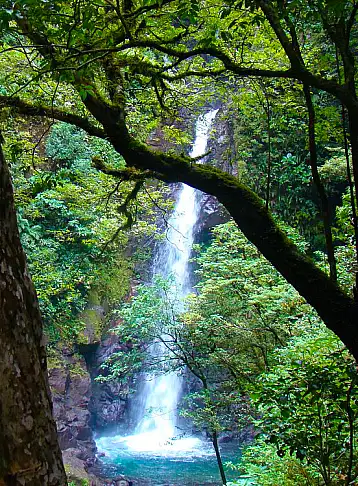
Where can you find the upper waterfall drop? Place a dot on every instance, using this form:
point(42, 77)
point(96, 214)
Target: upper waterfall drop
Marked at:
point(173, 255)
point(156, 430)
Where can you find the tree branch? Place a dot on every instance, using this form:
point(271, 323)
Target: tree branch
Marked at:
point(297, 70)
point(338, 311)
point(351, 20)
point(30, 109)
point(127, 174)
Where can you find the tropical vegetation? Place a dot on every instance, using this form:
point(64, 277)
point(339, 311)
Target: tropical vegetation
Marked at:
point(98, 102)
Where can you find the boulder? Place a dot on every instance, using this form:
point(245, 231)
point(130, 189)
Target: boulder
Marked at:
point(76, 469)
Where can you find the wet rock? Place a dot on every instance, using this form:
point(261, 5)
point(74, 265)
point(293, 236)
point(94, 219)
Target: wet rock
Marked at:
point(222, 154)
point(71, 393)
point(121, 481)
point(93, 318)
point(212, 214)
point(225, 439)
point(222, 146)
point(109, 399)
point(77, 469)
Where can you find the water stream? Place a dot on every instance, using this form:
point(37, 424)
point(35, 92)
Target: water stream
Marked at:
point(157, 417)
point(156, 438)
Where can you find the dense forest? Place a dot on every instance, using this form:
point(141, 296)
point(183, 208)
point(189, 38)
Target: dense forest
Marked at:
point(100, 103)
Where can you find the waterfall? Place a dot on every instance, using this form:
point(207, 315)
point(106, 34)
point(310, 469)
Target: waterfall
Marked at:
point(156, 429)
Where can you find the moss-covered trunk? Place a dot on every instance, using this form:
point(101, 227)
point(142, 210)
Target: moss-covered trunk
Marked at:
point(29, 451)
point(338, 310)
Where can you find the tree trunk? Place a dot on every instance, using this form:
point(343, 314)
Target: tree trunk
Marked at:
point(353, 135)
point(29, 450)
point(338, 311)
point(218, 457)
point(323, 199)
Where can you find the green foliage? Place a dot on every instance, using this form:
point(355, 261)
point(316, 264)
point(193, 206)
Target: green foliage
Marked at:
point(345, 252)
point(68, 216)
point(65, 225)
point(261, 462)
point(217, 409)
point(69, 146)
point(307, 404)
point(246, 329)
point(79, 482)
point(243, 301)
point(269, 124)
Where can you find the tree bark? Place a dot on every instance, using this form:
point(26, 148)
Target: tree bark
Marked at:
point(338, 311)
point(218, 457)
point(323, 199)
point(353, 136)
point(29, 450)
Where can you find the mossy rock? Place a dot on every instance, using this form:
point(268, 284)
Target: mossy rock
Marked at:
point(55, 359)
point(93, 298)
point(75, 468)
point(93, 322)
point(78, 369)
point(114, 283)
point(76, 472)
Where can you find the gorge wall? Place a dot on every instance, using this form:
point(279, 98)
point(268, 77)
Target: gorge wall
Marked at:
point(84, 406)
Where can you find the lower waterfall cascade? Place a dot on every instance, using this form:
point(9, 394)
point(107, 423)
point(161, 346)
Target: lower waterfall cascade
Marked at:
point(156, 435)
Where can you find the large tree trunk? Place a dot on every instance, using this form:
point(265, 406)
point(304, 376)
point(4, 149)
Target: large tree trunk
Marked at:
point(29, 450)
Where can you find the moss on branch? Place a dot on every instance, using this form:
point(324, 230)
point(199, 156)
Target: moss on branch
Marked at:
point(31, 109)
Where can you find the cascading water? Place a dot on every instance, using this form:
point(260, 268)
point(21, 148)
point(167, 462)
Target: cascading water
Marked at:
point(160, 396)
point(156, 433)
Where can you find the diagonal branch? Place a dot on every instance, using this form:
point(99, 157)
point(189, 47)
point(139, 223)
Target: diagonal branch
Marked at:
point(30, 109)
point(257, 224)
point(338, 310)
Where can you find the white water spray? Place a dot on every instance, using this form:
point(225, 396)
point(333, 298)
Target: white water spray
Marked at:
point(156, 431)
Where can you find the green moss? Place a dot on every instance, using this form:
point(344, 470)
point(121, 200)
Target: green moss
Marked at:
point(78, 368)
point(93, 297)
point(112, 285)
point(55, 359)
point(92, 327)
point(76, 474)
point(113, 282)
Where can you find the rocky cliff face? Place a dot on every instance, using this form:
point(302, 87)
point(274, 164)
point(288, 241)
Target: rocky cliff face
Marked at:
point(222, 145)
point(71, 393)
point(109, 399)
point(83, 405)
point(70, 385)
